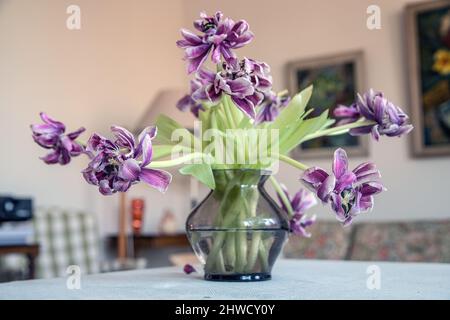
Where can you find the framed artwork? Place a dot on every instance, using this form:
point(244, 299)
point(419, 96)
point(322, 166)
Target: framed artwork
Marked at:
point(428, 50)
point(336, 80)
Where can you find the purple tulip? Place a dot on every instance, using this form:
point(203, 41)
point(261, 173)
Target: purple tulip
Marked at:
point(246, 81)
point(348, 192)
point(116, 166)
point(346, 114)
point(219, 36)
point(389, 119)
point(51, 135)
point(302, 201)
point(271, 106)
point(188, 103)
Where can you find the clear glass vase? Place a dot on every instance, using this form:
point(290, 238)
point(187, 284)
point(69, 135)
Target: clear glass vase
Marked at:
point(238, 231)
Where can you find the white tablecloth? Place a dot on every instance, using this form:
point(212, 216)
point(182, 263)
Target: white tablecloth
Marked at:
point(291, 279)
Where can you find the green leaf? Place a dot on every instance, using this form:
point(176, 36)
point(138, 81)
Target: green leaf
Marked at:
point(328, 124)
point(205, 118)
point(303, 128)
point(244, 123)
point(202, 172)
point(294, 110)
point(166, 126)
point(161, 151)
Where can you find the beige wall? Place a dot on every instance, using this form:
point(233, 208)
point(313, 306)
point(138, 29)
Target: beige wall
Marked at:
point(287, 30)
point(108, 72)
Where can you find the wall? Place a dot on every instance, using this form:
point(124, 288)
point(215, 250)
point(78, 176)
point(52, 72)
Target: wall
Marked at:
point(287, 30)
point(110, 70)
point(106, 73)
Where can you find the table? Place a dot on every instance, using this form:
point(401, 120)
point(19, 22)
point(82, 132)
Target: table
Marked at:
point(31, 251)
point(292, 279)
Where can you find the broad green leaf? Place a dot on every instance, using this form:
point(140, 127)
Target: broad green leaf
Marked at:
point(161, 151)
point(205, 118)
point(287, 131)
point(304, 128)
point(294, 110)
point(244, 123)
point(166, 126)
point(220, 120)
point(202, 172)
point(328, 124)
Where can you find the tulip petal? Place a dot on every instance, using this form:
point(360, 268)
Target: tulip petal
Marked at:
point(75, 134)
point(323, 192)
point(240, 87)
point(342, 111)
point(363, 168)
point(47, 119)
point(145, 137)
point(365, 203)
point(124, 137)
point(199, 51)
point(104, 188)
point(340, 163)
point(64, 156)
point(184, 103)
point(245, 105)
point(121, 185)
point(51, 158)
point(345, 181)
point(158, 179)
point(361, 131)
point(308, 200)
point(129, 170)
point(194, 64)
point(147, 150)
point(371, 188)
point(314, 176)
point(190, 37)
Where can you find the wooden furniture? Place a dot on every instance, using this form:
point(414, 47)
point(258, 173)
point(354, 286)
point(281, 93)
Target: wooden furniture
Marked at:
point(31, 251)
point(122, 237)
point(152, 241)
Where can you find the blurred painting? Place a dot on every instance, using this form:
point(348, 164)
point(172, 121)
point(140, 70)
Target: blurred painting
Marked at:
point(428, 35)
point(336, 80)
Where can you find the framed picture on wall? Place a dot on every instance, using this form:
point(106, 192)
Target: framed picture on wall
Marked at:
point(428, 51)
point(336, 79)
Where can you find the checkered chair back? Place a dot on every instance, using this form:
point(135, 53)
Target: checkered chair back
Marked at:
point(65, 238)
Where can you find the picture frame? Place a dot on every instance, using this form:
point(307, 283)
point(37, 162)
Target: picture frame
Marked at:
point(427, 27)
point(337, 79)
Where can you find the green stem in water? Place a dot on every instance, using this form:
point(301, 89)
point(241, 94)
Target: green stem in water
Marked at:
point(230, 250)
point(263, 256)
point(338, 130)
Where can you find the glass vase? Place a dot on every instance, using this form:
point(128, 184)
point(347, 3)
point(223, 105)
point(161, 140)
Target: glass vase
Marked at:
point(238, 231)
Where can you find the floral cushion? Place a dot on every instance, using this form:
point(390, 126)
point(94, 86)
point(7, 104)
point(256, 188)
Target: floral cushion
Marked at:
point(329, 240)
point(427, 241)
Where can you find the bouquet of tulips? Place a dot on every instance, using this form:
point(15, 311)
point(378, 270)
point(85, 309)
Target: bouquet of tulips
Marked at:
point(241, 123)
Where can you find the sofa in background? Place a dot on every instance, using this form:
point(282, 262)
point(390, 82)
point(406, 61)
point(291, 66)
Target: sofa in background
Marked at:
point(418, 241)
